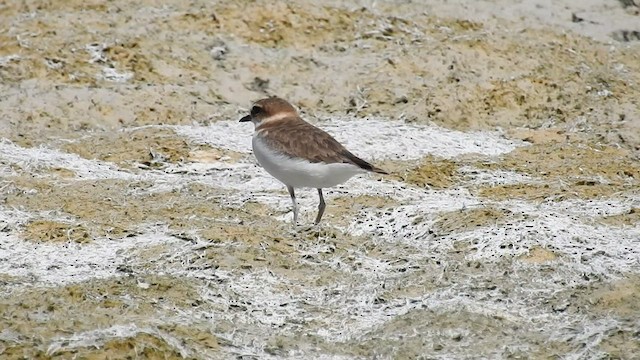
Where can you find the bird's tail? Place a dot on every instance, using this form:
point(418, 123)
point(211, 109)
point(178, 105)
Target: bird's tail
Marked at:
point(376, 169)
point(363, 164)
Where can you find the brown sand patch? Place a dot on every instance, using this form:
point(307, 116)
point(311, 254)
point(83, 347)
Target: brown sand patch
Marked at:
point(105, 208)
point(209, 155)
point(622, 344)
point(6, 279)
point(477, 78)
point(344, 209)
point(59, 53)
point(197, 208)
point(538, 93)
point(140, 345)
point(577, 161)
point(630, 218)
point(621, 297)
point(264, 243)
point(97, 305)
point(119, 208)
point(481, 329)
point(145, 147)
point(538, 255)
point(54, 231)
point(396, 168)
point(62, 172)
point(469, 219)
point(251, 230)
point(129, 57)
point(24, 186)
point(288, 24)
point(242, 247)
point(568, 170)
point(539, 136)
point(556, 191)
point(430, 172)
point(251, 239)
point(194, 337)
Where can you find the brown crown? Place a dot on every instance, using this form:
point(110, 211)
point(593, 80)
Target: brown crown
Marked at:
point(268, 107)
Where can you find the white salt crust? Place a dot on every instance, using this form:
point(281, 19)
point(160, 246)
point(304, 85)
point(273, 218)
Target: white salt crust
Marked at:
point(346, 308)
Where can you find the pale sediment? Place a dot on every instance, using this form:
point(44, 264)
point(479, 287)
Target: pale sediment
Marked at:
point(135, 222)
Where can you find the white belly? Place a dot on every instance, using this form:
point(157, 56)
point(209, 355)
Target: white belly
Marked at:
point(302, 173)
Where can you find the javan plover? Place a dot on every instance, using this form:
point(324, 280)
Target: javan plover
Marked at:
point(299, 154)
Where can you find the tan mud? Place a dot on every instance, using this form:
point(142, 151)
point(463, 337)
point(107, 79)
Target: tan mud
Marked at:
point(573, 83)
point(117, 302)
point(551, 191)
point(539, 255)
point(574, 161)
point(432, 174)
point(343, 210)
point(103, 207)
point(629, 218)
point(567, 170)
point(468, 219)
point(100, 80)
point(145, 147)
point(619, 297)
point(45, 230)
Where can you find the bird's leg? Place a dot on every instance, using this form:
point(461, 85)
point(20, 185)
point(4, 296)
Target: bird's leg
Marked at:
point(295, 205)
point(321, 207)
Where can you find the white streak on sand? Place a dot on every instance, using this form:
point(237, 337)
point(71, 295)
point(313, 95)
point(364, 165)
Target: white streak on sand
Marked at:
point(43, 157)
point(370, 138)
point(346, 307)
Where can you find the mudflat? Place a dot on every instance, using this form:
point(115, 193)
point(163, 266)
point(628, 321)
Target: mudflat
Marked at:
point(136, 223)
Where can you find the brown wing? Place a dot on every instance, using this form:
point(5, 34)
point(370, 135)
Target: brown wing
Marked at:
point(301, 139)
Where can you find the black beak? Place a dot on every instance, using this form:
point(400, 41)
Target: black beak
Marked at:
point(246, 118)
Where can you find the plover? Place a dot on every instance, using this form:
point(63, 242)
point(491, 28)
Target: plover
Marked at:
point(299, 154)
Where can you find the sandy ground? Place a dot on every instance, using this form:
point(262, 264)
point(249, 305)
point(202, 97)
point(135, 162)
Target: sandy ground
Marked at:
point(135, 222)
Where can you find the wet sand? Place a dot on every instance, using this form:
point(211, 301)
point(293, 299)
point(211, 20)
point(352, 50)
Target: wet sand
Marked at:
point(136, 223)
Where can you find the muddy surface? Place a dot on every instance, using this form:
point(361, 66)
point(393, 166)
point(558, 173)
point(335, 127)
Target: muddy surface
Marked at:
point(135, 222)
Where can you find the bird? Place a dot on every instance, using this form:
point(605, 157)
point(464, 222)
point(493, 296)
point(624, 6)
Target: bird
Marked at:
point(299, 154)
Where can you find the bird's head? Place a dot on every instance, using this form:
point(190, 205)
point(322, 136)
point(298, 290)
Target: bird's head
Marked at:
point(269, 109)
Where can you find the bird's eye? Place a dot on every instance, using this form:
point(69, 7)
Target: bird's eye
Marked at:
point(256, 110)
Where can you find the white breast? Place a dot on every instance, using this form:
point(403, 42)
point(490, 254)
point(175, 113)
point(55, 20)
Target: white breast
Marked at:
point(297, 172)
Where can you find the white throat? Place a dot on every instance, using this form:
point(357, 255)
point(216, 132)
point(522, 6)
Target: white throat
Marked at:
point(272, 118)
